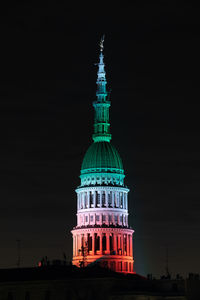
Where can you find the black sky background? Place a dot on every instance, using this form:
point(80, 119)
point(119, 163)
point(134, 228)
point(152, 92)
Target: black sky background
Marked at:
point(48, 83)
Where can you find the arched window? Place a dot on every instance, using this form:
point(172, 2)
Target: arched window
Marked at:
point(103, 199)
point(115, 200)
point(121, 200)
point(91, 199)
point(104, 242)
point(89, 242)
point(98, 199)
point(97, 242)
point(85, 200)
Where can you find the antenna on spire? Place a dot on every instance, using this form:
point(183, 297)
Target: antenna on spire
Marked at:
point(101, 43)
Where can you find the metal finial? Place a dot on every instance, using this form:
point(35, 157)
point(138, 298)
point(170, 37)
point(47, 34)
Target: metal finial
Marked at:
point(101, 43)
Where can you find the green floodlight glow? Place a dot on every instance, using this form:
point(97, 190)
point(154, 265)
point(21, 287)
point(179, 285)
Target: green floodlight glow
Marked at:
point(101, 107)
point(102, 155)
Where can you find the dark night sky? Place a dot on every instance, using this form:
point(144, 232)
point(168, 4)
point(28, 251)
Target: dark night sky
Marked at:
point(47, 88)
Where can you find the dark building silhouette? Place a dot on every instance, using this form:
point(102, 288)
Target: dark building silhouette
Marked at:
point(70, 282)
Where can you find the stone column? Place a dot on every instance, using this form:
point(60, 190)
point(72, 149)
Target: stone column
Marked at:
point(122, 243)
point(127, 201)
point(100, 241)
point(131, 245)
point(114, 195)
point(106, 196)
point(94, 197)
point(123, 200)
point(78, 244)
point(113, 219)
point(128, 245)
point(117, 196)
point(81, 241)
point(130, 239)
point(88, 199)
point(100, 192)
point(73, 245)
point(108, 243)
point(93, 244)
point(118, 243)
point(112, 199)
point(84, 201)
point(115, 243)
point(74, 239)
point(84, 240)
point(123, 220)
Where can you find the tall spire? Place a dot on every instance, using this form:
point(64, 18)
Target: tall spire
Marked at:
point(101, 105)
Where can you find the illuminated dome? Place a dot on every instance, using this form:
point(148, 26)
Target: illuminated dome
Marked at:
point(102, 155)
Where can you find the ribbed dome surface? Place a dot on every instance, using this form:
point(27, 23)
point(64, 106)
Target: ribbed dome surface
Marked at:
point(102, 155)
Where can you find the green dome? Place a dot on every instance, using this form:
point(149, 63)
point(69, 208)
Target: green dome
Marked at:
point(102, 155)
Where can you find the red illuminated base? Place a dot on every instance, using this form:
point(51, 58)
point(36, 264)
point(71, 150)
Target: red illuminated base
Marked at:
point(109, 247)
point(117, 263)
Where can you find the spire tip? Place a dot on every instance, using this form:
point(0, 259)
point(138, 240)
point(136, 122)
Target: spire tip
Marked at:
point(101, 43)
